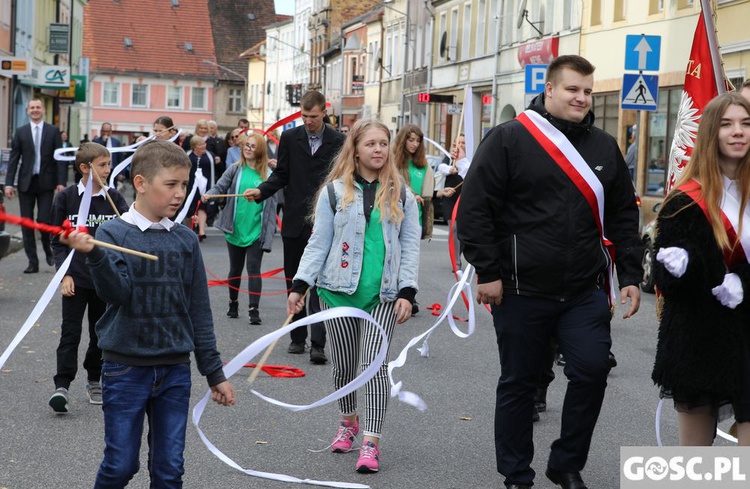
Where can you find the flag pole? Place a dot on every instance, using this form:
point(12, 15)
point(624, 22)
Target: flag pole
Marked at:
point(713, 45)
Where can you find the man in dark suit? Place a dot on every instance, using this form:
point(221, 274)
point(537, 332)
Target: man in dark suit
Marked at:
point(304, 159)
point(39, 175)
point(105, 139)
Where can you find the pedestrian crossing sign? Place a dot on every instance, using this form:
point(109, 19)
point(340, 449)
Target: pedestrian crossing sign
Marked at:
point(640, 92)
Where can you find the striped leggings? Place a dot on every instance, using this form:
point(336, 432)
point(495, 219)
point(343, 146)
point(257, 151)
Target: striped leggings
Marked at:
point(354, 343)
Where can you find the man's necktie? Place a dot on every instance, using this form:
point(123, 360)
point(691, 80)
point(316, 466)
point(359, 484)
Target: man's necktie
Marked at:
point(37, 150)
point(314, 144)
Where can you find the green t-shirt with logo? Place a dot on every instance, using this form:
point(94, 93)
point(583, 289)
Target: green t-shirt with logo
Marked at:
point(248, 216)
point(416, 181)
point(367, 295)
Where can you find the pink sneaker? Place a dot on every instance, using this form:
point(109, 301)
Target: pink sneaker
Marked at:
point(369, 458)
point(342, 443)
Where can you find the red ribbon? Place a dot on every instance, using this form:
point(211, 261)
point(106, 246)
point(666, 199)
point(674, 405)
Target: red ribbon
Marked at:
point(29, 223)
point(284, 371)
point(225, 282)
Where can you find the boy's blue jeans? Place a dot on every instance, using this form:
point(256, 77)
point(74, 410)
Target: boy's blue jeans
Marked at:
point(129, 393)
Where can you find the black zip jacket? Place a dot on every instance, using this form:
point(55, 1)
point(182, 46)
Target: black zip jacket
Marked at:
point(65, 206)
point(522, 220)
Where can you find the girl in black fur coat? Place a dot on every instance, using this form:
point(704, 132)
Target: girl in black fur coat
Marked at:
point(702, 272)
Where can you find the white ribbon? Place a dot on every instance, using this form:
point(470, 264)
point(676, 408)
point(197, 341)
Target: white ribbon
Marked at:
point(257, 347)
point(464, 284)
point(440, 148)
point(731, 208)
point(60, 152)
point(199, 184)
point(49, 292)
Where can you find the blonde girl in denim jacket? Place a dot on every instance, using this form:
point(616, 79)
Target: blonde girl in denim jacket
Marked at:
point(364, 253)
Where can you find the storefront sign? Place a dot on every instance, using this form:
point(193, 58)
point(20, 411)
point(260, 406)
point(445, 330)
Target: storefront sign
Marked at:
point(538, 52)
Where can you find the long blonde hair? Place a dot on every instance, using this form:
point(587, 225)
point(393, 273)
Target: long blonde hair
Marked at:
point(704, 165)
point(345, 165)
point(259, 162)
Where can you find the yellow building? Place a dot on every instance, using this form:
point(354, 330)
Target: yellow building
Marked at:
point(606, 24)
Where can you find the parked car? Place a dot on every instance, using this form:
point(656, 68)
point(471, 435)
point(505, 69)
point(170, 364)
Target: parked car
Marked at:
point(647, 235)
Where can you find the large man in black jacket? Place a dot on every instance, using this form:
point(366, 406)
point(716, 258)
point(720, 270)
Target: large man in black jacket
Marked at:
point(541, 263)
point(304, 159)
point(32, 160)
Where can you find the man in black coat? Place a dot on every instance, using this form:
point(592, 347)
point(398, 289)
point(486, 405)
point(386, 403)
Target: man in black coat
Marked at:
point(533, 223)
point(32, 163)
point(305, 154)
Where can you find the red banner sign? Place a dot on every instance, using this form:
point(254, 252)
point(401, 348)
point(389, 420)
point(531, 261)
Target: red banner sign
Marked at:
point(539, 52)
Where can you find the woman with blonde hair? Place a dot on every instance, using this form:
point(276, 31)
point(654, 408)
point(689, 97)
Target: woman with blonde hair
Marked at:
point(701, 269)
point(248, 226)
point(363, 253)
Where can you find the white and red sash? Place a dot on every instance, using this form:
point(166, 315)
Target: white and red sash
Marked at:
point(575, 167)
point(730, 218)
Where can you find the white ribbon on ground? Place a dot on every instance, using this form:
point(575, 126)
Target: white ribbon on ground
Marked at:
point(256, 348)
point(49, 292)
point(464, 284)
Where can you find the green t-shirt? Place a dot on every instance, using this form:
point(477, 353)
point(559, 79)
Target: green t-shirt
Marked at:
point(367, 295)
point(416, 181)
point(248, 216)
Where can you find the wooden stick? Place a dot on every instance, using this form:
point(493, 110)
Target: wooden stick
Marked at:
point(460, 127)
point(101, 184)
point(267, 353)
point(216, 196)
point(124, 250)
point(456, 187)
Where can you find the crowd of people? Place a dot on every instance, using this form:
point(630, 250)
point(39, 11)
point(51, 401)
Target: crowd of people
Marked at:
point(356, 206)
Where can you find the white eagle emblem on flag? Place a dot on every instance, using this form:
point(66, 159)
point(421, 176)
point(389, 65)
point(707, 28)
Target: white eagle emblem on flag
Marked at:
point(686, 128)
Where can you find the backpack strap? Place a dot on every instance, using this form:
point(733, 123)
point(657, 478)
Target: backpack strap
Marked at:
point(331, 196)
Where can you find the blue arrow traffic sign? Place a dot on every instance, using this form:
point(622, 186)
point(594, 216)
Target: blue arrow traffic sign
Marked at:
point(640, 92)
point(642, 52)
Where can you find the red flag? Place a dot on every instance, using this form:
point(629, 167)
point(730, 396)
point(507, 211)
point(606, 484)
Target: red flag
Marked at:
point(700, 87)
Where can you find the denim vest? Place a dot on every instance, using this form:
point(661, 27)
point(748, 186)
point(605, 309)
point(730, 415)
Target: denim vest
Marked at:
point(334, 253)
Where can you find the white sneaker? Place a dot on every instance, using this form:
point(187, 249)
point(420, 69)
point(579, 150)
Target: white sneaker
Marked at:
point(94, 391)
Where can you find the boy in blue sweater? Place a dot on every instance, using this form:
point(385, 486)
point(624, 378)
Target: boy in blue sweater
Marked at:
point(157, 313)
point(77, 288)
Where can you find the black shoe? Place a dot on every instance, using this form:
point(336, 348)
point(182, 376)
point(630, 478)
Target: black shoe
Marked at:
point(317, 355)
point(540, 399)
point(32, 269)
point(518, 486)
point(296, 348)
point(536, 415)
point(233, 311)
point(50, 260)
point(254, 315)
point(612, 360)
point(414, 308)
point(566, 480)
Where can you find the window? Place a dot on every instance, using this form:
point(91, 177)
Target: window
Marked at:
point(479, 48)
point(139, 95)
point(655, 6)
point(466, 33)
point(198, 98)
point(567, 14)
point(660, 132)
point(619, 10)
point(443, 55)
point(111, 93)
point(684, 4)
point(606, 112)
point(235, 100)
point(493, 23)
point(174, 97)
point(453, 36)
point(596, 12)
